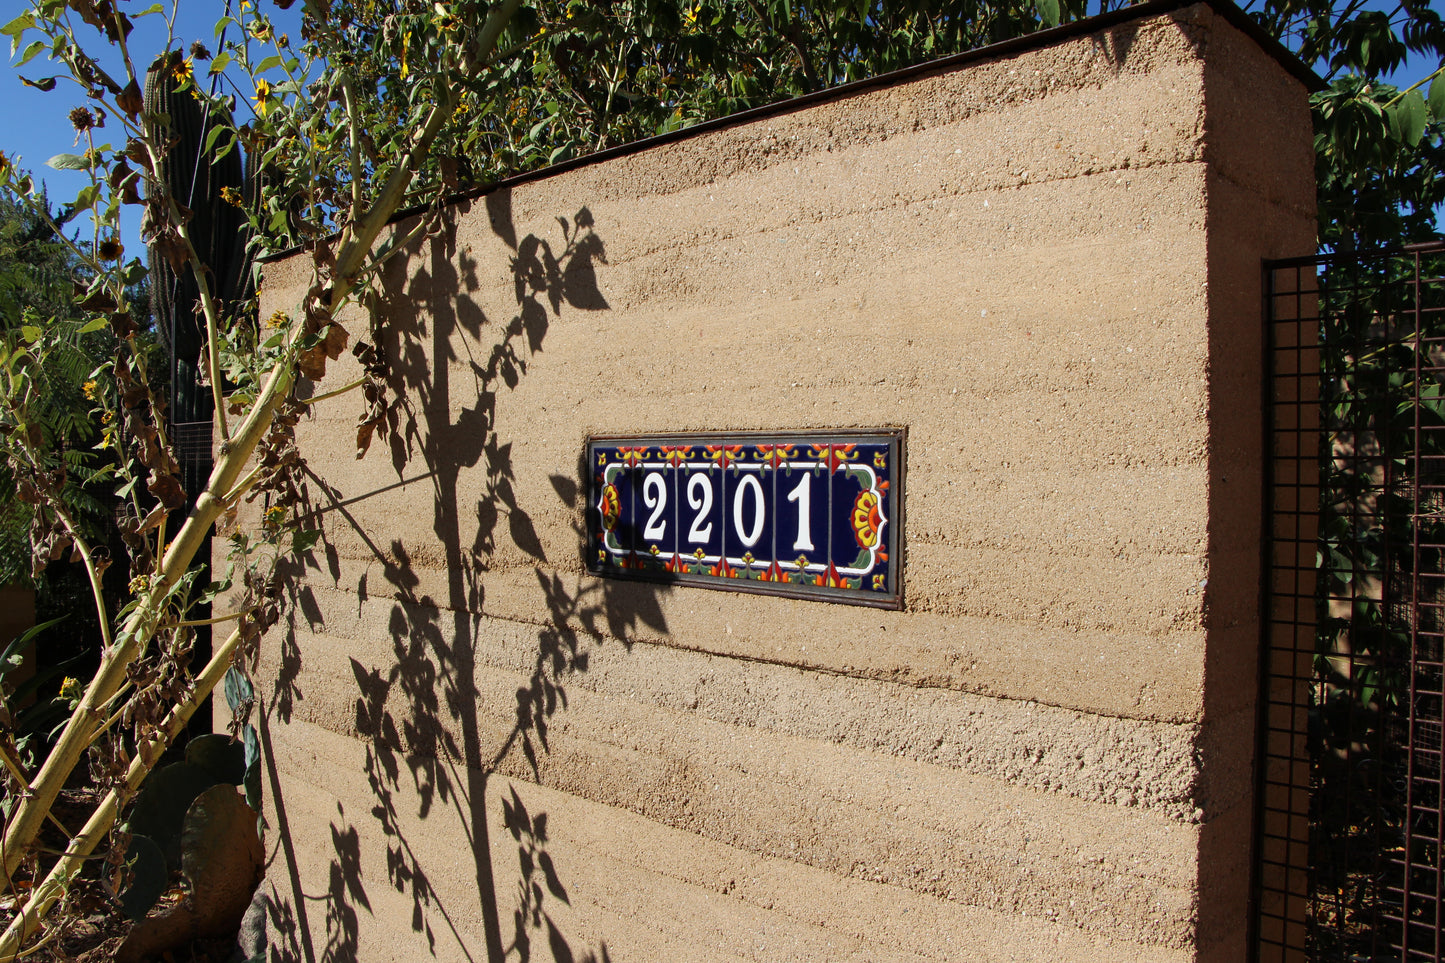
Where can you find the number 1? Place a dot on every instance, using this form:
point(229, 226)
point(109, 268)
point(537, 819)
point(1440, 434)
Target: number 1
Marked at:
point(802, 494)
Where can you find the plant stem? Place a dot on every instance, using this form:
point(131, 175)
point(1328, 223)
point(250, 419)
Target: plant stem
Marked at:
point(18, 772)
point(191, 622)
point(27, 920)
point(1437, 72)
point(235, 452)
point(338, 391)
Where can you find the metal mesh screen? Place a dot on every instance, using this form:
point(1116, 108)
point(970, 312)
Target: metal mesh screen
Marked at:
point(1350, 776)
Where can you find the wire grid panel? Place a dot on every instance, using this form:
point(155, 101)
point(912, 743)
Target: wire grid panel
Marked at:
point(192, 443)
point(1294, 463)
point(1350, 776)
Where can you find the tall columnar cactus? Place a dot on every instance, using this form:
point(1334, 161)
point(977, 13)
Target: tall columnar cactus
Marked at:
point(217, 228)
point(219, 232)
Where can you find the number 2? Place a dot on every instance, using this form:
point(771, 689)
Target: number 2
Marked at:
point(654, 493)
point(699, 496)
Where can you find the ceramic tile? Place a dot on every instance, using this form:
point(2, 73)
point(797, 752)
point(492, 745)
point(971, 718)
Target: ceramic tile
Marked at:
point(812, 514)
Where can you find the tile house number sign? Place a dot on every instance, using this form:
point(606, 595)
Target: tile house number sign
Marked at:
point(813, 514)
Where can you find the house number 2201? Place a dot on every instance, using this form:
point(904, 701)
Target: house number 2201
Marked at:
point(810, 514)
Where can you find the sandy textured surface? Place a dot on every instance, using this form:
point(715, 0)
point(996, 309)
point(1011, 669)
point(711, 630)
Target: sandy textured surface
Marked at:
point(1045, 266)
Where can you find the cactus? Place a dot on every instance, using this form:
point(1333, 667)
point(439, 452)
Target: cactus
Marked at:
point(191, 818)
point(220, 234)
point(220, 861)
point(217, 229)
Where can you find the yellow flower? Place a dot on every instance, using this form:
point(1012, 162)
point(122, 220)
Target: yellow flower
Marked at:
point(107, 417)
point(278, 319)
point(70, 688)
point(182, 71)
point(274, 516)
point(89, 389)
point(231, 196)
point(263, 96)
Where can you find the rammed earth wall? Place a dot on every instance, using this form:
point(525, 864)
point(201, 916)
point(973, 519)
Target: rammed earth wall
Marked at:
point(1044, 262)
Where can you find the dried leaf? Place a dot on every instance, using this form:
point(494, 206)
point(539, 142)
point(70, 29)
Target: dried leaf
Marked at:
point(130, 100)
point(58, 546)
point(169, 244)
point(168, 491)
point(336, 340)
point(100, 302)
point(364, 432)
point(312, 362)
point(154, 518)
point(124, 179)
point(123, 324)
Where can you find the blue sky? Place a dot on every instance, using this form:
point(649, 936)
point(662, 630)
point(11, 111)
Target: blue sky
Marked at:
point(35, 125)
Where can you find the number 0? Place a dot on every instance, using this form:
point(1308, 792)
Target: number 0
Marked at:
point(750, 537)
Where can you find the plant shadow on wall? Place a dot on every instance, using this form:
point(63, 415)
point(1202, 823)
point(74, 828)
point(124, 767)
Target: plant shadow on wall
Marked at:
point(435, 740)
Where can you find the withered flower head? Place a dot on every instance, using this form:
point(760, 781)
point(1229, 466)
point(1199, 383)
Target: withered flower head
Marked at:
point(231, 196)
point(82, 119)
point(199, 51)
point(110, 249)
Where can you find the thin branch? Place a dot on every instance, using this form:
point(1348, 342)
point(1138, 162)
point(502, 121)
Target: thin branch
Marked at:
point(54, 886)
point(243, 486)
point(334, 393)
point(217, 620)
point(1438, 72)
point(18, 772)
point(350, 103)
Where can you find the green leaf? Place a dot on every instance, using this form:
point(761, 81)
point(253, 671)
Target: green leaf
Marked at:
point(31, 52)
point(1408, 119)
point(305, 539)
point(16, 27)
point(270, 63)
point(219, 63)
point(85, 200)
point(67, 162)
point(1048, 12)
point(93, 325)
point(1437, 98)
point(45, 84)
point(30, 333)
